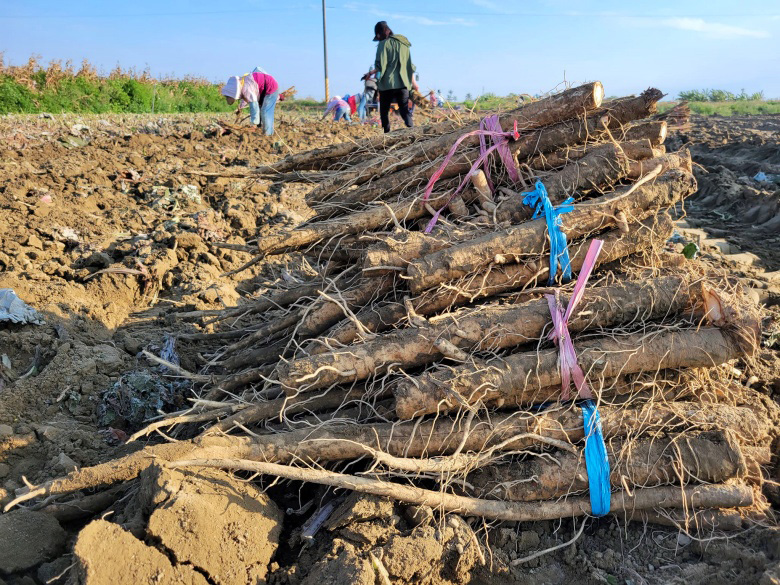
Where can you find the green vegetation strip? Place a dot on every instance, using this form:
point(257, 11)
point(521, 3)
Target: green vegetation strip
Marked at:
point(734, 108)
point(32, 88)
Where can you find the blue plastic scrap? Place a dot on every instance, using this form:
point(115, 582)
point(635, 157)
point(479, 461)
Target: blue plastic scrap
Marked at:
point(596, 461)
point(559, 251)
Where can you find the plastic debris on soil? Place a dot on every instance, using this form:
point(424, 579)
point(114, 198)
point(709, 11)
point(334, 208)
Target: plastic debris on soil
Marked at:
point(137, 397)
point(164, 198)
point(15, 310)
point(762, 177)
point(141, 395)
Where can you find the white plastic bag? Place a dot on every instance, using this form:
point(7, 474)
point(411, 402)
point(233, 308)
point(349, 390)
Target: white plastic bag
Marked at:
point(15, 310)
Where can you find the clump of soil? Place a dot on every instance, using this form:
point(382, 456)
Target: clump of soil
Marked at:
point(103, 548)
point(29, 538)
point(612, 551)
point(202, 527)
point(368, 535)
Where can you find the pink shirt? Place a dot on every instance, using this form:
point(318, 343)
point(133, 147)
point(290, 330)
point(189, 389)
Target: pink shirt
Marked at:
point(265, 81)
point(254, 85)
point(336, 104)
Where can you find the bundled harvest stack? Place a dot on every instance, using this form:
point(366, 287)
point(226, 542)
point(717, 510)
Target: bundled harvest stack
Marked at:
point(431, 349)
point(677, 118)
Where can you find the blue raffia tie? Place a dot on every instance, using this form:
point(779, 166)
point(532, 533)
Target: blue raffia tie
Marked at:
point(559, 251)
point(596, 461)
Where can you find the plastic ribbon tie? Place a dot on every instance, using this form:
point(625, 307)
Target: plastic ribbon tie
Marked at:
point(567, 358)
point(500, 140)
point(492, 124)
point(596, 460)
point(559, 251)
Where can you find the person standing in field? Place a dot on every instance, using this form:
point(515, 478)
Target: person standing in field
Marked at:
point(258, 89)
point(396, 74)
point(361, 109)
point(369, 87)
point(370, 96)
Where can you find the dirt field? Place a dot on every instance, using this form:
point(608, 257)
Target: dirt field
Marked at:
point(731, 204)
point(106, 230)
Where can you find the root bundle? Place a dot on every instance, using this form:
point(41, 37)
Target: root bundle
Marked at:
point(421, 353)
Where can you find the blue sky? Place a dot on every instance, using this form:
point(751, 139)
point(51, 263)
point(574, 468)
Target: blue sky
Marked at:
point(467, 46)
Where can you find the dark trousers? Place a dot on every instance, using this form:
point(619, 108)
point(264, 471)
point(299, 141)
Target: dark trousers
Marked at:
point(399, 96)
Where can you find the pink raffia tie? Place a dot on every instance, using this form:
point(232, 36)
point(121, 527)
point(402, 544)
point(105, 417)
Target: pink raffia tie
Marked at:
point(492, 124)
point(489, 128)
point(567, 358)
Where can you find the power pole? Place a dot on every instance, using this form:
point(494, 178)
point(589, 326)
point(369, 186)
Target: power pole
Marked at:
point(325, 49)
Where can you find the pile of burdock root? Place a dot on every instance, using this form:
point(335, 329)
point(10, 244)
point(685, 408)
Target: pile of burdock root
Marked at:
point(421, 360)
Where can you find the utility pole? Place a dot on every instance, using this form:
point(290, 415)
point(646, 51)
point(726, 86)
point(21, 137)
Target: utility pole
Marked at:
point(325, 49)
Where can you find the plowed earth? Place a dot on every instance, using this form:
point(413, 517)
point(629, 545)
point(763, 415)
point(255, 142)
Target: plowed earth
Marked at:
point(105, 231)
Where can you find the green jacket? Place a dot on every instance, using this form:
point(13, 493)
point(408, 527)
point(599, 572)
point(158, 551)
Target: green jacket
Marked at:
point(394, 63)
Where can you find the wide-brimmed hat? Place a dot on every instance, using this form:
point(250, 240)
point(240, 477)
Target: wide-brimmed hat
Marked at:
point(232, 88)
point(381, 27)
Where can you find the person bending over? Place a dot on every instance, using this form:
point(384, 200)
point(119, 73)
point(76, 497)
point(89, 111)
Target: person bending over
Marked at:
point(258, 89)
point(340, 109)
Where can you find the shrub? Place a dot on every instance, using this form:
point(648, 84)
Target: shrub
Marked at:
point(14, 97)
point(694, 95)
point(31, 88)
point(718, 95)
